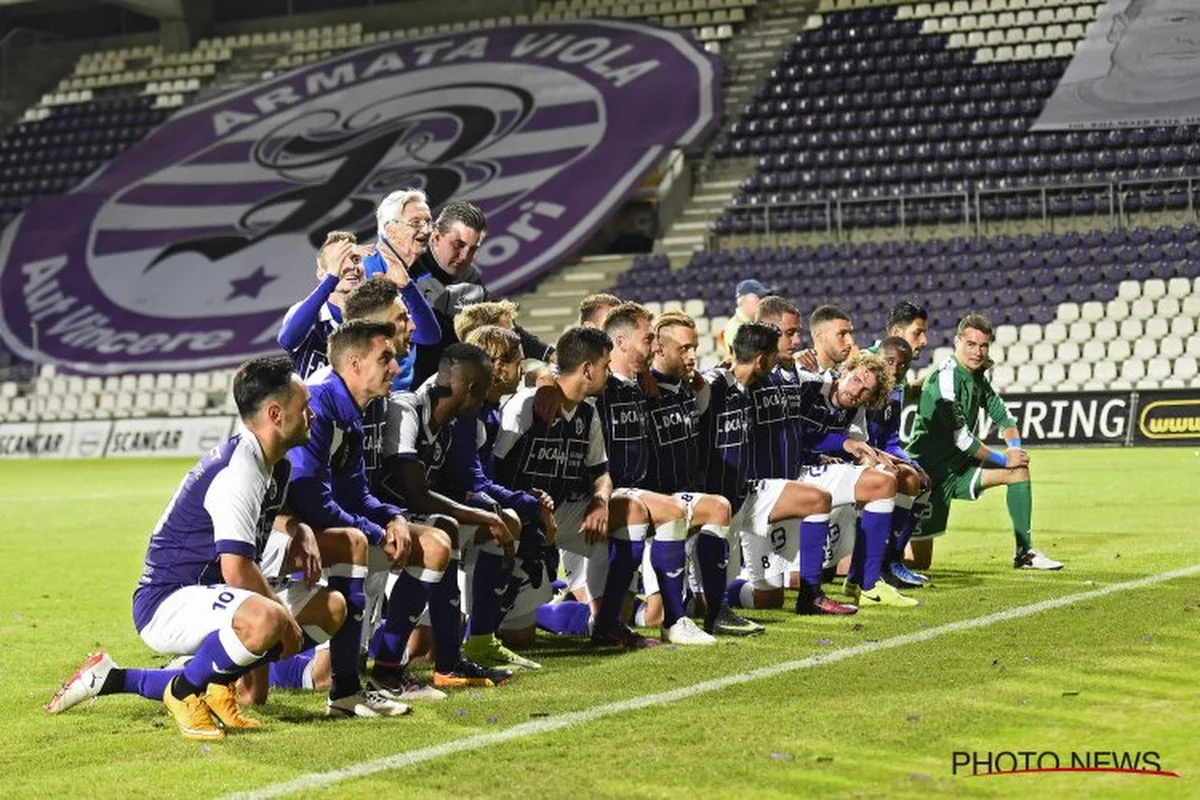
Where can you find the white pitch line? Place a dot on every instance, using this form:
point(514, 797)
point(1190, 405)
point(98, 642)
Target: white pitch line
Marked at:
point(318, 780)
point(60, 498)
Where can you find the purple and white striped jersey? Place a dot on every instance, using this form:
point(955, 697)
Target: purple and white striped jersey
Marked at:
point(674, 421)
point(562, 459)
point(622, 410)
point(727, 448)
point(409, 435)
point(226, 504)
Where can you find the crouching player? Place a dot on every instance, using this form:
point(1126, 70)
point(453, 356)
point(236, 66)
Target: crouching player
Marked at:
point(961, 465)
point(625, 423)
point(749, 443)
point(883, 433)
point(202, 592)
point(330, 491)
point(536, 560)
point(566, 458)
point(424, 430)
point(676, 397)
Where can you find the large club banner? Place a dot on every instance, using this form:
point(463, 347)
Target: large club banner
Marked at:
point(1139, 65)
point(185, 251)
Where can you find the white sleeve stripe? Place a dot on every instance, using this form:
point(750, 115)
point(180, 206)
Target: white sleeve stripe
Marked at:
point(964, 440)
point(946, 382)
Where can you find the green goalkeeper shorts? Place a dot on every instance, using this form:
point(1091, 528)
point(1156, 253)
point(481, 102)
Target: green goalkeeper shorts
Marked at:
point(963, 484)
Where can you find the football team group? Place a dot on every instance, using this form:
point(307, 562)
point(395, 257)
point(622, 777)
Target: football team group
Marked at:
point(420, 479)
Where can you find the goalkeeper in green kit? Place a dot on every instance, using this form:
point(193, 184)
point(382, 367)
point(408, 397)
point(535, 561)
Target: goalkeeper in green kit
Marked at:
point(959, 463)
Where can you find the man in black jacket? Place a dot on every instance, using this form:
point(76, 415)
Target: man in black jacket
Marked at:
point(449, 281)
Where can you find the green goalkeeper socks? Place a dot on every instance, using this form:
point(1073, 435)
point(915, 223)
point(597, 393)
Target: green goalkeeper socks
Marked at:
point(1020, 509)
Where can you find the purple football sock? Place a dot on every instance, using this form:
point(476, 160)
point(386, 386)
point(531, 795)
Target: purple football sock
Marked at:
point(712, 556)
point(669, 560)
point(623, 558)
point(445, 617)
point(876, 528)
point(814, 531)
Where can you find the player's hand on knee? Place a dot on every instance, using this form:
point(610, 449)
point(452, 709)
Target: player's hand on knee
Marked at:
point(1016, 457)
point(305, 555)
point(499, 530)
point(397, 541)
point(595, 524)
point(862, 452)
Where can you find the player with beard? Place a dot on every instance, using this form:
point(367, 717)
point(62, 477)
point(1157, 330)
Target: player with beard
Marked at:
point(450, 281)
point(202, 591)
point(677, 397)
point(626, 426)
point(747, 449)
point(830, 412)
point(833, 336)
point(566, 458)
point(305, 330)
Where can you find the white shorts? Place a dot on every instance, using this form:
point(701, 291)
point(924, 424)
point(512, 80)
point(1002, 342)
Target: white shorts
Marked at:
point(837, 479)
point(188, 615)
point(569, 516)
point(755, 512)
point(529, 599)
point(767, 560)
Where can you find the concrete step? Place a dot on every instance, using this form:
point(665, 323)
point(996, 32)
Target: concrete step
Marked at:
point(724, 184)
point(544, 330)
point(715, 198)
point(757, 56)
point(679, 257)
point(681, 242)
point(689, 227)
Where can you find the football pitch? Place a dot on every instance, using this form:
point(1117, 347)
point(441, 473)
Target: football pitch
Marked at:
point(1090, 667)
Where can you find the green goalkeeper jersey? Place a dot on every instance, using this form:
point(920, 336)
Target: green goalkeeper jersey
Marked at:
point(943, 439)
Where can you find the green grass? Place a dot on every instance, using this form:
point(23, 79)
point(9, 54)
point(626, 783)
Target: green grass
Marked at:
point(1115, 673)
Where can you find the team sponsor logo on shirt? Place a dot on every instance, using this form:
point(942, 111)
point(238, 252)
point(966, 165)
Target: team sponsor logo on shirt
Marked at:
point(673, 425)
point(556, 458)
point(731, 429)
point(770, 405)
point(628, 422)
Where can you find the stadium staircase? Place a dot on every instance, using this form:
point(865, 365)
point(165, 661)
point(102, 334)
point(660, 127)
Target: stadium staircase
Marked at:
point(748, 55)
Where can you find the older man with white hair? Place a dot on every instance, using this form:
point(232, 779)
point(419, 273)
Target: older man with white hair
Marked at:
point(450, 281)
point(404, 224)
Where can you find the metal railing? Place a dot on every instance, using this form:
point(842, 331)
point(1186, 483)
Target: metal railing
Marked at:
point(973, 205)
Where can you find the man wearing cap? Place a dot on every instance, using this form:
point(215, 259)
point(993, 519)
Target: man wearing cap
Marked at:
point(748, 293)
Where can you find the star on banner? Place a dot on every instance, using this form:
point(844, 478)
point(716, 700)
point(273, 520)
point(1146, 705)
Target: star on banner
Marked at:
point(251, 285)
